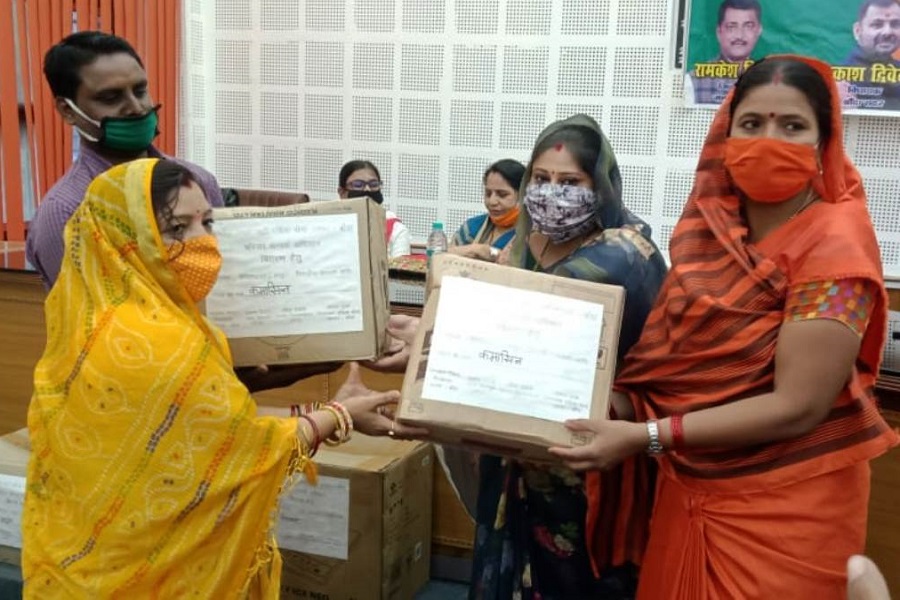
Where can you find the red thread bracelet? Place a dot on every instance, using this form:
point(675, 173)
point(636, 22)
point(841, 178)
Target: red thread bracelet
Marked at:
point(317, 438)
point(676, 423)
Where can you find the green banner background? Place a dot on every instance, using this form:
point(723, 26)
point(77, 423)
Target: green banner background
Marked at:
point(819, 28)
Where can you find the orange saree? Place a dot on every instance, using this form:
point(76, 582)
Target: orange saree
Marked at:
point(774, 520)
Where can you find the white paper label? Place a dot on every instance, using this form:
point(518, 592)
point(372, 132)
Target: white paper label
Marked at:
point(316, 519)
point(512, 350)
point(12, 497)
point(288, 276)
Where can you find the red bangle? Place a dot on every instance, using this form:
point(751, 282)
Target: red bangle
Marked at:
point(317, 439)
point(348, 420)
point(676, 423)
point(295, 410)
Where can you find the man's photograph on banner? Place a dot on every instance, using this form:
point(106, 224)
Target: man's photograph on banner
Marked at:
point(860, 39)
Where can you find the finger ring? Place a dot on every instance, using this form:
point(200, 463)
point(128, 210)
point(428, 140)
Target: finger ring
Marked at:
point(391, 431)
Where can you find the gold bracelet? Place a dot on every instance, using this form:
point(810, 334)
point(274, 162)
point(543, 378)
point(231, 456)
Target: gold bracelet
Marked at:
point(348, 420)
point(301, 435)
point(339, 433)
point(310, 407)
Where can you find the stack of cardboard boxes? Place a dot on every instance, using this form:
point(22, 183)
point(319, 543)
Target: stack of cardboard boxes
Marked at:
point(363, 532)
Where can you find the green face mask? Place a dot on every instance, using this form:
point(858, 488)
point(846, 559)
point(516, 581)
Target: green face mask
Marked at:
point(124, 134)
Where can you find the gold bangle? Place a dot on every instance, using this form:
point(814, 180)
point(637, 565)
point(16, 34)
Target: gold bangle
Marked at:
point(340, 433)
point(310, 407)
point(348, 420)
point(301, 435)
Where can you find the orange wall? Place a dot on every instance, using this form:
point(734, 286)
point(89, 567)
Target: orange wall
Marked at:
point(152, 27)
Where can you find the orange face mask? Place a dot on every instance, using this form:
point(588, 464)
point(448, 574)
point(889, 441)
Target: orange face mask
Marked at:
point(507, 219)
point(770, 170)
point(197, 263)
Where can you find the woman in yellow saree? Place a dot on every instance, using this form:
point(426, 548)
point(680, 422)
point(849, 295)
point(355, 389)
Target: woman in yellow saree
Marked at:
point(151, 474)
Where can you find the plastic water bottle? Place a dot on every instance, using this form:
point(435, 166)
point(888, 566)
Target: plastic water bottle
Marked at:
point(437, 241)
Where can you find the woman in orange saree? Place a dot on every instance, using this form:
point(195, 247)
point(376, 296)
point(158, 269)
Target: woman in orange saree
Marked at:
point(753, 379)
point(151, 473)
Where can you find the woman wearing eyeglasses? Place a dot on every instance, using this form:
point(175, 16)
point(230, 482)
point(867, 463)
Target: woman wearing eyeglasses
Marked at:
point(360, 178)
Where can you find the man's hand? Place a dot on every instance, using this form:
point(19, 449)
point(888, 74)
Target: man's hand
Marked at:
point(402, 331)
point(267, 377)
point(373, 412)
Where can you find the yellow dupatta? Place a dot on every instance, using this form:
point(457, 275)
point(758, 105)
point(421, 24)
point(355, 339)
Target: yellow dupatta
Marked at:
point(151, 475)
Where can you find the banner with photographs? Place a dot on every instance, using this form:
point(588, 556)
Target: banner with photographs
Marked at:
point(859, 38)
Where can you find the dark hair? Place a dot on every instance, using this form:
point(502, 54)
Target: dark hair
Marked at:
point(794, 73)
point(351, 167)
point(168, 177)
point(867, 4)
point(584, 144)
point(740, 5)
point(510, 170)
point(63, 62)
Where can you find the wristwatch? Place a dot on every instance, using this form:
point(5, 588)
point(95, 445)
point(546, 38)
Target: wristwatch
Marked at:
point(495, 254)
point(654, 447)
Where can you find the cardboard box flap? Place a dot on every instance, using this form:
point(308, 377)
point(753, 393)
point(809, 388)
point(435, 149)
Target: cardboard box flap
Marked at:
point(366, 453)
point(450, 265)
point(296, 210)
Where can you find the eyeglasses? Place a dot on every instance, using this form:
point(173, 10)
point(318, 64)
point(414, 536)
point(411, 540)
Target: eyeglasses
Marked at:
point(359, 184)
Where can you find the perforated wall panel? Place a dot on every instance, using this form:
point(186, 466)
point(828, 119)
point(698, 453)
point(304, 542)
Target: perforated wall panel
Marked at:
point(280, 64)
point(322, 15)
point(279, 94)
point(374, 15)
point(583, 17)
point(529, 17)
point(475, 17)
point(474, 68)
point(278, 15)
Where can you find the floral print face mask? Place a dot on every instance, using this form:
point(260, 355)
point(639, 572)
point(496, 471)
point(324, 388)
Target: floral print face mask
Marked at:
point(561, 212)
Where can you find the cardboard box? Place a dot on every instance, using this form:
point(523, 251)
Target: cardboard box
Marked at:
point(373, 506)
point(14, 449)
point(495, 430)
point(378, 493)
point(302, 283)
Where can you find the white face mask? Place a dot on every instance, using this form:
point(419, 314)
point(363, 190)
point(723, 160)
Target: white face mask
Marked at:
point(81, 114)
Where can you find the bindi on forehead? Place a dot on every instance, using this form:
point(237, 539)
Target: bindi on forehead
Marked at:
point(558, 147)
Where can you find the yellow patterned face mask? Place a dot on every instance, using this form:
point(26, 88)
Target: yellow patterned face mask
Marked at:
point(197, 263)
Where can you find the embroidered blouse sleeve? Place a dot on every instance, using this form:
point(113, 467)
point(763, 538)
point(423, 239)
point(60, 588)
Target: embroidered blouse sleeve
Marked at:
point(849, 301)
